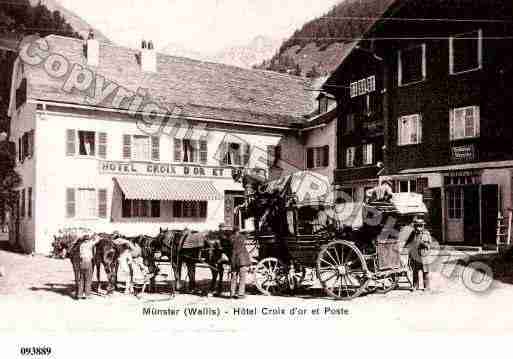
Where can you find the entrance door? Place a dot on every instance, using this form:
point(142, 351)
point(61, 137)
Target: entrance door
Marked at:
point(454, 205)
point(231, 200)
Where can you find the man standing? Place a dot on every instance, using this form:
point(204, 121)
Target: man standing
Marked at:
point(240, 263)
point(85, 272)
point(419, 245)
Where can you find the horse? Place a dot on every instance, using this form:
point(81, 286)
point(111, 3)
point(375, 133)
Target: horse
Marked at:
point(189, 248)
point(105, 253)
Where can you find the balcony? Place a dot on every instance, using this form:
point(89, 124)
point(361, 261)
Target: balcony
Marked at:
point(355, 173)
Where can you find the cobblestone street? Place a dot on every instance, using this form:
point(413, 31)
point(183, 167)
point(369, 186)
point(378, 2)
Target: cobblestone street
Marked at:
point(35, 295)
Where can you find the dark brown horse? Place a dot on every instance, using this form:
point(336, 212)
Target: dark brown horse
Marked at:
point(190, 248)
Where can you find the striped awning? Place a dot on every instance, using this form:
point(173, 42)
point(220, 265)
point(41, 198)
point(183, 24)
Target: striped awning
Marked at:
point(166, 189)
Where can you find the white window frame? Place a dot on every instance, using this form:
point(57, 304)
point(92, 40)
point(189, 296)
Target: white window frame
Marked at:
point(350, 155)
point(230, 152)
point(400, 66)
point(86, 210)
point(479, 53)
point(368, 153)
point(401, 128)
point(134, 154)
point(453, 134)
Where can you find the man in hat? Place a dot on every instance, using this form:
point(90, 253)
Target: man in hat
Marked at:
point(419, 245)
point(240, 262)
point(380, 193)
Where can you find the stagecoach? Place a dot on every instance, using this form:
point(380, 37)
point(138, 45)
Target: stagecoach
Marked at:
point(303, 235)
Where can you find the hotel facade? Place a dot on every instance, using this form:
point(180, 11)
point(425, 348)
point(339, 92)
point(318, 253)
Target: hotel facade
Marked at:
point(98, 164)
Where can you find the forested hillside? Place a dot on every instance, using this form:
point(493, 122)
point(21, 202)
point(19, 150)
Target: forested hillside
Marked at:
point(18, 18)
point(312, 50)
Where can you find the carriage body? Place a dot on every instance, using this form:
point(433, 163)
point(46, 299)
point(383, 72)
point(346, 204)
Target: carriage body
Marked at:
point(347, 247)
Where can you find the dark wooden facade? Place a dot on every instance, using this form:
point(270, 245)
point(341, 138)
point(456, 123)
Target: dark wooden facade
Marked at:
point(437, 30)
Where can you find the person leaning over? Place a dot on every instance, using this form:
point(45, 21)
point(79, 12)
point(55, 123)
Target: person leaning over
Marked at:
point(85, 273)
point(240, 263)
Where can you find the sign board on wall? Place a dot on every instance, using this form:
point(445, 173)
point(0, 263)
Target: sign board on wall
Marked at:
point(463, 153)
point(163, 169)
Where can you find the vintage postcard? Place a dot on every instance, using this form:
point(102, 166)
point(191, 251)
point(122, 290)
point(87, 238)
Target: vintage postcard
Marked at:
point(223, 168)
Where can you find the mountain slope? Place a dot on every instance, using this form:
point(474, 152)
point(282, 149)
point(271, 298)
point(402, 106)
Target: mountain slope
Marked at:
point(78, 23)
point(313, 49)
point(245, 56)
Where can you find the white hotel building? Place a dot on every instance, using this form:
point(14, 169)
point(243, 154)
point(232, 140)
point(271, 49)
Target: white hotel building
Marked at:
point(87, 163)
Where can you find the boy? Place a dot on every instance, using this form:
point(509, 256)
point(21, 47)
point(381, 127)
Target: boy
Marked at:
point(240, 263)
point(419, 245)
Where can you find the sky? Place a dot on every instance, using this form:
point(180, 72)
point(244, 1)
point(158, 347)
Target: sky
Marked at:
point(206, 26)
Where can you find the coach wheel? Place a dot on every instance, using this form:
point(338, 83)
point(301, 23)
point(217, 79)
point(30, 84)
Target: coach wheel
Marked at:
point(342, 270)
point(271, 276)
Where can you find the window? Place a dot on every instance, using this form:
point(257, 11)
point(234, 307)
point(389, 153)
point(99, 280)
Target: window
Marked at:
point(26, 145)
point(350, 122)
point(368, 154)
point(465, 52)
point(323, 104)
point(86, 143)
point(141, 148)
point(464, 122)
point(190, 151)
point(317, 157)
point(232, 154)
point(412, 65)
point(409, 130)
point(140, 208)
point(350, 154)
point(455, 202)
point(273, 156)
point(190, 209)
point(86, 203)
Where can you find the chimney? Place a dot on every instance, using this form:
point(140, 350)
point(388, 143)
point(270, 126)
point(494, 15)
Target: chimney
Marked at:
point(92, 50)
point(148, 57)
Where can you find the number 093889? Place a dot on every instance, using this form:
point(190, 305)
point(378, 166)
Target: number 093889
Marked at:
point(35, 350)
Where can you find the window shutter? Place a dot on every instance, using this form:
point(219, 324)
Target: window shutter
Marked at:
point(70, 202)
point(31, 143)
point(19, 149)
point(246, 154)
point(203, 209)
point(309, 158)
point(194, 151)
point(203, 151)
point(29, 202)
point(70, 143)
point(102, 144)
point(127, 147)
point(178, 150)
point(326, 156)
point(102, 203)
point(224, 158)
point(270, 155)
point(155, 148)
point(177, 209)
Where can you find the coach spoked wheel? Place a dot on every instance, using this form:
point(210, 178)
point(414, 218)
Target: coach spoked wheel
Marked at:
point(342, 270)
point(271, 276)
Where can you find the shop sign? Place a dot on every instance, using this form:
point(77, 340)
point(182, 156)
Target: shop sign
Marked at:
point(163, 169)
point(463, 153)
